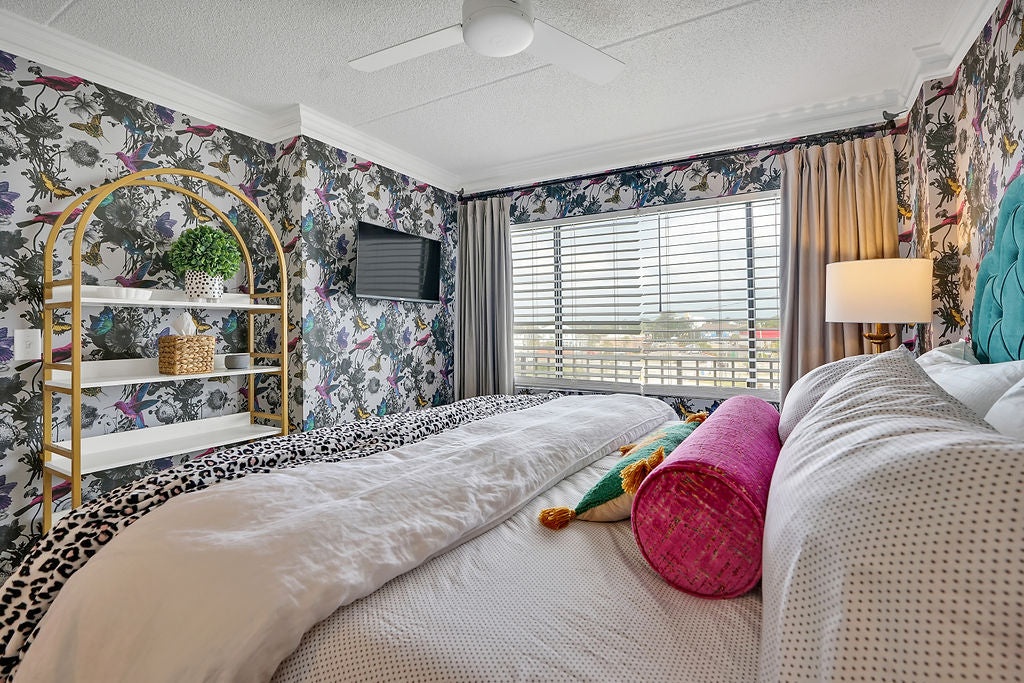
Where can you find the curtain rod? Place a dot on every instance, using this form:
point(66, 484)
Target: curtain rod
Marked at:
point(793, 142)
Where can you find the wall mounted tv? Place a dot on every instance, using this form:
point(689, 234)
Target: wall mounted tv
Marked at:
point(396, 266)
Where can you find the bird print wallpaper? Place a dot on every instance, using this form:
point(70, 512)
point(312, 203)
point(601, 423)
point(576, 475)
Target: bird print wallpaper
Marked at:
point(963, 137)
point(349, 357)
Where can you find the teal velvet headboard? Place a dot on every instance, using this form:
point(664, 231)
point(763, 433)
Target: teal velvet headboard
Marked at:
point(997, 330)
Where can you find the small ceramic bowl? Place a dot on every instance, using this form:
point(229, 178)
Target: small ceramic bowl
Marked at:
point(236, 361)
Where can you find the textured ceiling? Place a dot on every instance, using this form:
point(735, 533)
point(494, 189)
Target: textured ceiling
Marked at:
point(691, 66)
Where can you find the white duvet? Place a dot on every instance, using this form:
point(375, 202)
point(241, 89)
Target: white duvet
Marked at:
point(221, 584)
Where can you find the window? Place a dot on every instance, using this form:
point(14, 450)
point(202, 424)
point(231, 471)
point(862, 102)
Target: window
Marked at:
point(669, 301)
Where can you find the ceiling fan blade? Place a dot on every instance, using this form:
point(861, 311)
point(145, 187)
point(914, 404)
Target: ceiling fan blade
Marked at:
point(561, 49)
point(417, 47)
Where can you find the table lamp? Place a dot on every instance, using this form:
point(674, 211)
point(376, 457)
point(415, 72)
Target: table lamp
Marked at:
point(879, 291)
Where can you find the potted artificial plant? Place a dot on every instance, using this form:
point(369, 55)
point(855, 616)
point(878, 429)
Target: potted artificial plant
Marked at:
point(205, 256)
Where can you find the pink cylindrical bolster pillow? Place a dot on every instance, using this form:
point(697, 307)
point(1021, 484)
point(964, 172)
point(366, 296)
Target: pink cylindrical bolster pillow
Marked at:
point(698, 517)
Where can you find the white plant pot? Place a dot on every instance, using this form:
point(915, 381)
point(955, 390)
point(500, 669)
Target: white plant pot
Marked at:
point(200, 285)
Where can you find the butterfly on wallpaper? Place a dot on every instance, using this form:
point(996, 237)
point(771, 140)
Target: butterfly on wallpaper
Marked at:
point(6, 346)
point(136, 404)
point(198, 213)
point(301, 173)
point(362, 324)
point(702, 186)
point(954, 185)
point(361, 414)
point(309, 422)
point(421, 402)
point(429, 211)
point(92, 391)
point(307, 221)
point(201, 326)
point(270, 340)
point(407, 336)
point(432, 361)
point(543, 206)
point(233, 216)
point(230, 323)
point(166, 115)
point(963, 112)
point(376, 366)
point(382, 324)
point(375, 192)
point(102, 323)
point(343, 338)
point(7, 199)
point(136, 278)
point(92, 128)
point(420, 324)
point(288, 225)
point(54, 187)
point(307, 323)
point(616, 197)
point(92, 256)
point(904, 211)
point(382, 409)
point(1009, 144)
point(164, 225)
point(1020, 40)
point(222, 165)
point(60, 327)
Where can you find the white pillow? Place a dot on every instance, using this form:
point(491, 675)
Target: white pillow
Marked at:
point(957, 353)
point(892, 543)
point(806, 391)
point(1007, 414)
point(977, 386)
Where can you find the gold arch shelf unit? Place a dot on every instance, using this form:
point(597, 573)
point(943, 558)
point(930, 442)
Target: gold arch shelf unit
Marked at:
point(69, 460)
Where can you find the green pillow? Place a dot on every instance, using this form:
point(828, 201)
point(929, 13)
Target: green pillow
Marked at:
point(611, 498)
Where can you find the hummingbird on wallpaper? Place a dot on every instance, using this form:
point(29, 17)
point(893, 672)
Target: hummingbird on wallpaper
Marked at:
point(327, 291)
point(49, 218)
point(58, 83)
point(135, 162)
point(136, 405)
point(199, 131)
point(252, 190)
point(136, 278)
point(394, 378)
point(327, 387)
point(364, 344)
point(325, 195)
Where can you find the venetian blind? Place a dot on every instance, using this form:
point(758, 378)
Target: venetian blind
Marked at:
point(662, 301)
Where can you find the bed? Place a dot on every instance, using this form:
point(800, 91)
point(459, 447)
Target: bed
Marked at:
point(409, 548)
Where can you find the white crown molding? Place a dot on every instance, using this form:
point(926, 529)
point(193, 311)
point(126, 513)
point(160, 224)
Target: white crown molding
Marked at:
point(691, 141)
point(75, 56)
point(59, 50)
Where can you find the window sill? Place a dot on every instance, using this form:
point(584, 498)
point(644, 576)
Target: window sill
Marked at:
point(656, 390)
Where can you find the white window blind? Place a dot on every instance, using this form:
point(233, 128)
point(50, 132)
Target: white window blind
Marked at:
point(662, 302)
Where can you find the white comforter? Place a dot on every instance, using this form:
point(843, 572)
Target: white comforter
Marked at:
point(222, 584)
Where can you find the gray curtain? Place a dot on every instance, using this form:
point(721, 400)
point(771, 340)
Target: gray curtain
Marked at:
point(483, 299)
point(838, 204)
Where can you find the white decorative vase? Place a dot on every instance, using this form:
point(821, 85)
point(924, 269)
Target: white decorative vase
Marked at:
point(200, 285)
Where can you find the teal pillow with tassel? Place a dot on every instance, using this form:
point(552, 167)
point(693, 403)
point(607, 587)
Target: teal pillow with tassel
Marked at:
point(611, 498)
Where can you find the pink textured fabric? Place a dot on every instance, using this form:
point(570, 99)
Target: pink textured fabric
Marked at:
point(699, 515)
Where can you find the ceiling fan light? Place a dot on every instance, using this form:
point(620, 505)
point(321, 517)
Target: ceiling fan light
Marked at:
point(501, 29)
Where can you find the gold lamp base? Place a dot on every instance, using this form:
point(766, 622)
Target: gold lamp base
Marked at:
point(879, 338)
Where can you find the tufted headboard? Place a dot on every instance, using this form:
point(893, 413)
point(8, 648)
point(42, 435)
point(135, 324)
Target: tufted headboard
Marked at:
point(998, 325)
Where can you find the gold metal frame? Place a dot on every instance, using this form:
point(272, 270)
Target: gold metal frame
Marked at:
point(74, 366)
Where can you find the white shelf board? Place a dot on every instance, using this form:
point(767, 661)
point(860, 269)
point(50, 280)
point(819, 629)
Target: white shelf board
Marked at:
point(161, 298)
point(107, 451)
point(112, 373)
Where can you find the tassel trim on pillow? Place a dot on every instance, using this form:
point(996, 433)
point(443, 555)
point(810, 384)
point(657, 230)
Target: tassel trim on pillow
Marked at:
point(557, 518)
point(634, 473)
point(624, 450)
point(694, 417)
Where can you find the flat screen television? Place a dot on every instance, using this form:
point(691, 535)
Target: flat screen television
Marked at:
point(396, 266)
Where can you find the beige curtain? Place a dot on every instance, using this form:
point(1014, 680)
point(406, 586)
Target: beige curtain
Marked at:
point(838, 204)
point(483, 300)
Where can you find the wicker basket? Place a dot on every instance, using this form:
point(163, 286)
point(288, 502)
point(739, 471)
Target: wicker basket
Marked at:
point(186, 355)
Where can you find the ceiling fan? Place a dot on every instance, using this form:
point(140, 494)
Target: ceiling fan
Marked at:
point(502, 28)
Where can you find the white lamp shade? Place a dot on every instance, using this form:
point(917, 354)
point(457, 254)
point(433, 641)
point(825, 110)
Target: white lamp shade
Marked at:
point(889, 290)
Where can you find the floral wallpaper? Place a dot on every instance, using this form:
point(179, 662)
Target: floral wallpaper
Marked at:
point(962, 138)
point(349, 358)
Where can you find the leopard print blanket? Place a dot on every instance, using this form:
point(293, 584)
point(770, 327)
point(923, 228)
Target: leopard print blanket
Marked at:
point(33, 587)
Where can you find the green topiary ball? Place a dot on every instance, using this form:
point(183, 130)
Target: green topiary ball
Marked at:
point(206, 249)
